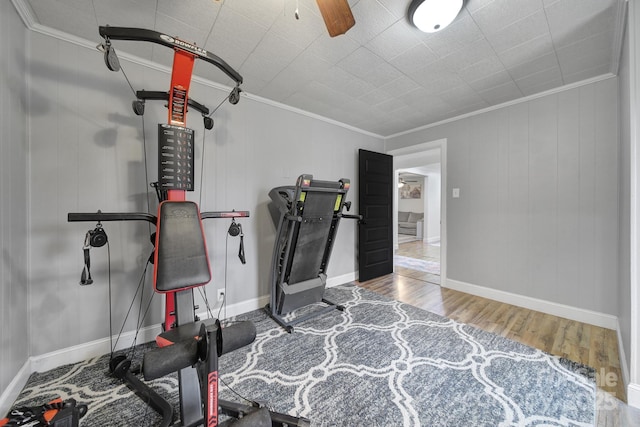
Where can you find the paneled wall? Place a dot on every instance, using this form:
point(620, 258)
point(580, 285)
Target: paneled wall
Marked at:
point(624, 296)
point(88, 153)
point(539, 197)
point(14, 311)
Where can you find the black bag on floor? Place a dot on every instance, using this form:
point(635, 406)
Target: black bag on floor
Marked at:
point(57, 413)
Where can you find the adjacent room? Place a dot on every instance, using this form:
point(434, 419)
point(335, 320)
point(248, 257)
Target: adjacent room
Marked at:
point(319, 212)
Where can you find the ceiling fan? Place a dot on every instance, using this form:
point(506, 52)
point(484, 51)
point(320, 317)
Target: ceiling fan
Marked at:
point(402, 182)
point(337, 16)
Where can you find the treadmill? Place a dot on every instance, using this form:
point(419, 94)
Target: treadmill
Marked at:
point(306, 217)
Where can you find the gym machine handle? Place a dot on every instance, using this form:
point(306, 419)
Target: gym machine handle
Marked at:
point(156, 95)
point(140, 34)
point(124, 216)
point(110, 216)
point(224, 214)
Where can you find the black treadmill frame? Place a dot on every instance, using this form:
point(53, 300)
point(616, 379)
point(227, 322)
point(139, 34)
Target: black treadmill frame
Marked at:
point(290, 214)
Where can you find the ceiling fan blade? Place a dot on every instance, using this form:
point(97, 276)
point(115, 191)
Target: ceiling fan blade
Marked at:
point(337, 16)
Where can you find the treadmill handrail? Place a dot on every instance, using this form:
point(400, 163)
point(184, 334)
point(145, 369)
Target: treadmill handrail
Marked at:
point(141, 34)
point(349, 216)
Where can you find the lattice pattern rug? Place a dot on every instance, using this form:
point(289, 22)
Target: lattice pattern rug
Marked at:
point(377, 363)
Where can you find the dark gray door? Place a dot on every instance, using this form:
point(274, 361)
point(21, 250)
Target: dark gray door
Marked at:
point(375, 199)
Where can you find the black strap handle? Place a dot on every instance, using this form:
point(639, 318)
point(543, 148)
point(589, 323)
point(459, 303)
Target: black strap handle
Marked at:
point(241, 249)
point(85, 276)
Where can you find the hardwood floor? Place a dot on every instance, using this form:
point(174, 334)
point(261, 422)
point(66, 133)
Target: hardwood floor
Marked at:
point(580, 342)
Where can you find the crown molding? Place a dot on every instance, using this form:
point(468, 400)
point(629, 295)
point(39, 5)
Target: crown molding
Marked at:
point(507, 104)
point(618, 36)
point(27, 15)
point(25, 12)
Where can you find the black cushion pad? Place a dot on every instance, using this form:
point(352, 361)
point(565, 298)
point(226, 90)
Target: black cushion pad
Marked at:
point(181, 254)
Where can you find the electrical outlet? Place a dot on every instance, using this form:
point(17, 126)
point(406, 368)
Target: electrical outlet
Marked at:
point(220, 295)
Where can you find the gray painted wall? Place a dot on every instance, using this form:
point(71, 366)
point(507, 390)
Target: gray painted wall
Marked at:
point(624, 296)
point(88, 154)
point(433, 206)
point(14, 348)
point(538, 213)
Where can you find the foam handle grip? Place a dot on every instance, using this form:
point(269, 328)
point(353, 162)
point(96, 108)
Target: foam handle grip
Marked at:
point(162, 361)
point(236, 336)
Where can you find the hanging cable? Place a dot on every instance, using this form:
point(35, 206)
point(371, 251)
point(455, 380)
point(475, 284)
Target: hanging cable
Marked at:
point(132, 348)
point(140, 283)
point(203, 295)
point(127, 79)
point(201, 169)
point(146, 167)
point(226, 261)
point(219, 105)
point(252, 402)
point(109, 286)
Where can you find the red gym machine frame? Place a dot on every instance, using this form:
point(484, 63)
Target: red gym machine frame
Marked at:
point(198, 403)
point(183, 62)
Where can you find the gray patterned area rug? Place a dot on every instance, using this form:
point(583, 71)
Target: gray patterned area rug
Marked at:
point(377, 363)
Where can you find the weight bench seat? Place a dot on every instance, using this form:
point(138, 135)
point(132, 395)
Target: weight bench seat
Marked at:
point(181, 253)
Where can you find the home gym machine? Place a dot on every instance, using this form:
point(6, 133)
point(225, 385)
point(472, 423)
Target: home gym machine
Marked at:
point(306, 217)
point(180, 259)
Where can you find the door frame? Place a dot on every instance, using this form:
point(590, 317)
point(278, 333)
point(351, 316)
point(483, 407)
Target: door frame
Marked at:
point(411, 151)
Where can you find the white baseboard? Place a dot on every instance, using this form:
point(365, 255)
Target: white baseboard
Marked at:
point(237, 308)
point(10, 394)
point(561, 310)
point(633, 395)
point(433, 239)
point(341, 280)
point(622, 355)
point(80, 352)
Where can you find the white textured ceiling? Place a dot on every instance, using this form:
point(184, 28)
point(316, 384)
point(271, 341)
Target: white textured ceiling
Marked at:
point(383, 76)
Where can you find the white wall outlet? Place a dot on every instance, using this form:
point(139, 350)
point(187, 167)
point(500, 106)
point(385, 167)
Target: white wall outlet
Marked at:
point(220, 295)
point(456, 193)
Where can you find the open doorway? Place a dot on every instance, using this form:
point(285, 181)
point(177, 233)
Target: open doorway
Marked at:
point(418, 210)
point(420, 206)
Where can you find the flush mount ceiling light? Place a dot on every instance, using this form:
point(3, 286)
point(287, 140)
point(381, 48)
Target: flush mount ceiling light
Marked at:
point(431, 16)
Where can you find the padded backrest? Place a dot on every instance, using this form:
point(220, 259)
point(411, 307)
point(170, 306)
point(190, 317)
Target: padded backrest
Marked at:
point(181, 259)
